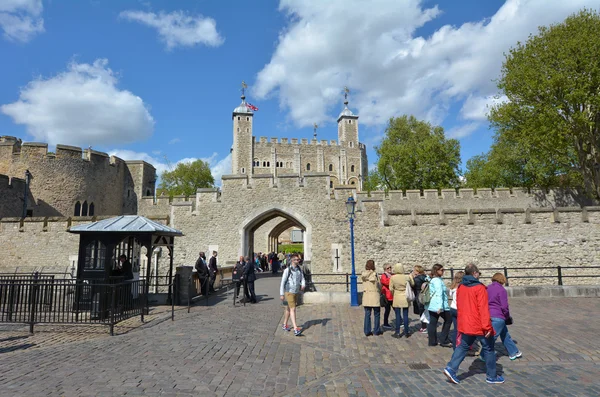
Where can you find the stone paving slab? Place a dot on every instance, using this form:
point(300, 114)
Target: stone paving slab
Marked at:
point(222, 350)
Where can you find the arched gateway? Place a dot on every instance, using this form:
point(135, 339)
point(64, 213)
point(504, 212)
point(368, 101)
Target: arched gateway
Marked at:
point(261, 216)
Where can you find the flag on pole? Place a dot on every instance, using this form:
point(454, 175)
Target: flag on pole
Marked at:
point(251, 106)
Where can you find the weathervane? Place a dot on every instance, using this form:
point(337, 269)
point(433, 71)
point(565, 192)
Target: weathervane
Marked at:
point(315, 126)
point(244, 86)
point(346, 92)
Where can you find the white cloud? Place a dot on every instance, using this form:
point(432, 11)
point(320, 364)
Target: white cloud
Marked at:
point(177, 29)
point(174, 141)
point(218, 168)
point(21, 19)
point(371, 46)
point(82, 106)
point(462, 131)
point(478, 107)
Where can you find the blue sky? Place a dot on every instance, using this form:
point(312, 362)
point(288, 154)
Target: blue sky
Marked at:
point(157, 80)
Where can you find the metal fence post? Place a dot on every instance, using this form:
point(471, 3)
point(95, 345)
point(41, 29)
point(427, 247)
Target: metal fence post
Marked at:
point(32, 301)
point(189, 293)
point(346, 282)
point(141, 286)
point(560, 280)
point(113, 308)
point(451, 273)
point(506, 275)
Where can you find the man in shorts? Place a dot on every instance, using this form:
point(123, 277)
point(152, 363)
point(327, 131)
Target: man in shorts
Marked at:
point(292, 282)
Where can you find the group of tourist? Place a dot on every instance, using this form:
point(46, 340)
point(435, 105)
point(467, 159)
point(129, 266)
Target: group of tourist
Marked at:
point(477, 313)
point(206, 272)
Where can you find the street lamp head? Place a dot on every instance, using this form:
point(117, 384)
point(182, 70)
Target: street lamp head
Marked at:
point(350, 204)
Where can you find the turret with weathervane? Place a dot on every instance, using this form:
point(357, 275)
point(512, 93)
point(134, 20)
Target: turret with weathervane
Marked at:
point(345, 160)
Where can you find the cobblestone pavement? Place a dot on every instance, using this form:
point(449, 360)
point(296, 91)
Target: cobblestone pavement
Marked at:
point(222, 350)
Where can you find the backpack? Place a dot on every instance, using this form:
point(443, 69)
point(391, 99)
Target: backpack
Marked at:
point(424, 295)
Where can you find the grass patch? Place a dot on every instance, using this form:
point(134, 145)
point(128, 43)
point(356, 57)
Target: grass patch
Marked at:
point(291, 248)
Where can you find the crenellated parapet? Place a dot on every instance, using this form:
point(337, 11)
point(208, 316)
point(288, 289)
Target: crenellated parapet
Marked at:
point(263, 140)
point(477, 198)
point(73, 181)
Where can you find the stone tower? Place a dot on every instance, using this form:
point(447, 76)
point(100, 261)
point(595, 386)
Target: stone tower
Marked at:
point(347, 125)
point(242, 151)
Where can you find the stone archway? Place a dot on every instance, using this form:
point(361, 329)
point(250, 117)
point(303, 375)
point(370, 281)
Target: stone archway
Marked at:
point(259, 217)
point(280, 228)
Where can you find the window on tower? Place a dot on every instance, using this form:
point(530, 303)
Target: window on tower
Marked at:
point(308, 167)
point(330, 167)
point(351, 168)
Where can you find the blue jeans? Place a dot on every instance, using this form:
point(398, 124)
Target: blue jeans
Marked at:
point(454, 332)
point(487, 346)
point(377, 311)
point(501, 329)
point(399, 318)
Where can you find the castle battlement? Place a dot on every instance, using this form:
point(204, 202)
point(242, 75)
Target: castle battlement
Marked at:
point(6, 182)
point(70, 180)
point(14, 150)
point(294, 141)
point(476, 198)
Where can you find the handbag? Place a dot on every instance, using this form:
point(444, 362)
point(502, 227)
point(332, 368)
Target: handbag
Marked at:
point(383, 302)
point(509, 320)
point(410, 294)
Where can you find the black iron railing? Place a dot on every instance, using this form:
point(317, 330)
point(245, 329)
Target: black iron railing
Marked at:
point(558, 273)
point(40, 299)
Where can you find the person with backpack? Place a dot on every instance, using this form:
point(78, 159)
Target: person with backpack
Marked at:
point(292, 282)
point(474, 323)
point(418, 306)
point(438, 307)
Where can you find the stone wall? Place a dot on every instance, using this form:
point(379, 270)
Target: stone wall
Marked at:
point(45, 245)
point(70, 175)
point(12, 191)
point(501, 228)
point(296, 156)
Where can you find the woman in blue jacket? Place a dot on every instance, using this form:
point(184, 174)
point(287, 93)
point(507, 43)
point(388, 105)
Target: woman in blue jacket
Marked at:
point(438, 307)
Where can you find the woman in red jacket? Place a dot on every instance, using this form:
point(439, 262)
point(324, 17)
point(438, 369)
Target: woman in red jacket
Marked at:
point(385, 289)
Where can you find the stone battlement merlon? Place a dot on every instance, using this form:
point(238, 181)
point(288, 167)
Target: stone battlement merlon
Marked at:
point(458, 194)
point(13, 149)
point(295, 141)
point(11, 183)
point(474, 216)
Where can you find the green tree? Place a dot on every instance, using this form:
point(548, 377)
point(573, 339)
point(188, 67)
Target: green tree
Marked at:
point(509, 165)
point(416, 155)
point(552, 115)
point(373, 181)
point(186, 178)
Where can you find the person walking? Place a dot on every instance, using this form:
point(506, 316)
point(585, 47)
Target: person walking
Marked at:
point(389, 297)
point(370, 298)
point(438, 307)
point(292, 282)
point(202, 272)
point(474, 323)
point(500, 314)
point(250, 278)
point(452, 298)
point(213, 269)
point(398, 287)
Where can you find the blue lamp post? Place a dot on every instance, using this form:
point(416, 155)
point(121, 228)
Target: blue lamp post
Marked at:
point(350, 204)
